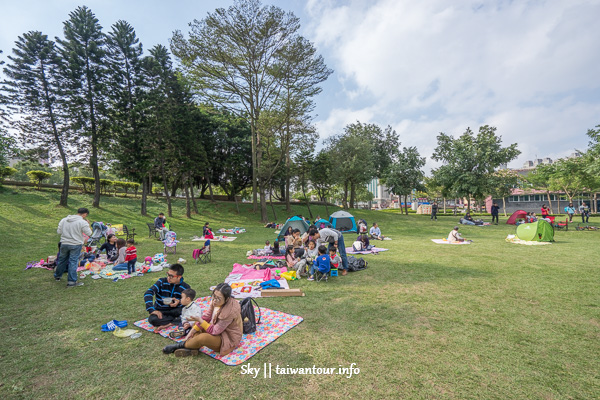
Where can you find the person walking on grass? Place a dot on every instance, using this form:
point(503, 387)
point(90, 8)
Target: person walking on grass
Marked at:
point(570, 211)
point(495, 209)
point(434, 211)
point(71, 230)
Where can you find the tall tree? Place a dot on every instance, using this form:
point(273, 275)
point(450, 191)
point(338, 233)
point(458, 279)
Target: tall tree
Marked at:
point(84, 80)
point(540, 178)
point(570, 176)
point(321, 173)
point(469, 161)
point(502, 183)
point(235, 58)
point(405, 174)
point(36, 94)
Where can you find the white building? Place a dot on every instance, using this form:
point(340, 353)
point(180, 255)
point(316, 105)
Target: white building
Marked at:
point(381, 196)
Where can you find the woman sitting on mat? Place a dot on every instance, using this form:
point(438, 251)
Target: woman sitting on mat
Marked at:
point(220, 328)
point(206, 232)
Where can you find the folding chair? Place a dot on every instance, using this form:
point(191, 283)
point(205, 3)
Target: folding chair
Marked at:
point(203, 255)
point(562, 225)
point(319, 276)
point(170, 243)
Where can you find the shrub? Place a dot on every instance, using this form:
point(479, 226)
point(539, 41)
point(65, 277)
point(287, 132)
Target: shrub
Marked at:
point(84, 181)
point(6, 172)
point(38, 176)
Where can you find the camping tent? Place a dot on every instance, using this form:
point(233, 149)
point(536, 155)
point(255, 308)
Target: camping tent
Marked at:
point(322, 223)
point(512, 220)
point(538, 231)
point(295, 223)
point(343, 221)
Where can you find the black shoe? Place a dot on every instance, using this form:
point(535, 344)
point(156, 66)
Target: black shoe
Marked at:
point(171, 348)
point(57, 279)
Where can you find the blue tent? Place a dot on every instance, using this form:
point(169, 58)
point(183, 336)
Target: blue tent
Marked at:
point(295, 223)
point(343, 221)
point(325, 223)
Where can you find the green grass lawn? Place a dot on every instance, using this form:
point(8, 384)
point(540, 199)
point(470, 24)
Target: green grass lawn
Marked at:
point(488, 320)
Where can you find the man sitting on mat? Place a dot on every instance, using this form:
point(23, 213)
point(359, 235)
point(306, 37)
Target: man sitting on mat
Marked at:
point(163, 299)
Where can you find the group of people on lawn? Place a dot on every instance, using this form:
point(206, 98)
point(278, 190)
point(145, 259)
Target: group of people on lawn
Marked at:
point(316, 250)
point(169, 301)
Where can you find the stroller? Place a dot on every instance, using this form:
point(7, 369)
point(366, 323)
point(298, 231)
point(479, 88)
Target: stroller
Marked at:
point(170, 242)
point(98, 234)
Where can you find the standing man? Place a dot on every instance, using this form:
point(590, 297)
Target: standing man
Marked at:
point(159, 225)
point(335, 240)
point(71, 230)
point(495, 209)
point(163, 299)
point(434, 210)
point(584, 210)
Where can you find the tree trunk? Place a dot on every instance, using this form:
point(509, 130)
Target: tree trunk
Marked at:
point(352, 194)
point(188, 209)
point(288, 206)
point(307, 202)
point(192, 193)
point(144, 209)
point(210, 190)
point(504, 206)
point(444, 200)
point(549, 201)
point(595, 203)
point(254, 159)
point(237, 206)
point(271, 201)
point(263, 205)
point(166, 188)
point(326, 207)
point(469, 203)
point(345, 198)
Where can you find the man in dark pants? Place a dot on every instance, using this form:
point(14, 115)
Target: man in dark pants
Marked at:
point(71, 230)
point(335, 239)
point(494, 211)
point(434, 210)
point(163, 313)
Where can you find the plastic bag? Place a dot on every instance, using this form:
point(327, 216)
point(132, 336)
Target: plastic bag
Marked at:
point(289, 276)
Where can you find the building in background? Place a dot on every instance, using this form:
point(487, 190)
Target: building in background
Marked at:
point(382, 198)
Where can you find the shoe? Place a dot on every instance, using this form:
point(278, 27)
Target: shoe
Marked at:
point(57, 279)
point(176, 334)
point(311, 278)
point(73, 284)
point(112, 325)
point(171, 348)
point(344, 272)
point(183, 352)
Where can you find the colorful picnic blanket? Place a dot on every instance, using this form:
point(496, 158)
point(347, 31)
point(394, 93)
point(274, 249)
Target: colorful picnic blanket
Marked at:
point(234, 231)
point(445, 241)
point(273, 324)
point(215, 239)
point(374, 250)
point(250, 272)
point(266, 257)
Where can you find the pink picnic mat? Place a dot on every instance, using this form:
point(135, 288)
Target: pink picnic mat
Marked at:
point(266, 257)
point(272, 325)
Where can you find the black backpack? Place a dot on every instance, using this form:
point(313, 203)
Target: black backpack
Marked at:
point(356, 264)
point(248, 316)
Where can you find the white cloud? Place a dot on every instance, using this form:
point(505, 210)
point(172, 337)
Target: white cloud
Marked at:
point(528, 67)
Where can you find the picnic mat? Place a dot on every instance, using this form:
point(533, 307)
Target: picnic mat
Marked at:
point(250, 272)
point(273, 324)
point(242, 288)
point(445, 241)
point(374, 250)
point(234, 231)
point(215, 239)
point(516, 240)
point(266, 257)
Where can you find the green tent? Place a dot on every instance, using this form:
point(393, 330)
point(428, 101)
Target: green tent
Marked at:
point(538, 231)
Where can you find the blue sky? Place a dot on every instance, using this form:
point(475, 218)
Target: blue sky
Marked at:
point(530, 68)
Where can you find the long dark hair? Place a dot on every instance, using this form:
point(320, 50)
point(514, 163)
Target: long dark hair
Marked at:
point(121, 243)
point(225, 290)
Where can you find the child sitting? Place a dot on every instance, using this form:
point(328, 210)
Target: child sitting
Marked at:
point(130, 256)
point(294, 263)
point(190, 313)
point(321, 264)
point(335, 259)
point(268, 245)
point(312, 252)
point(275, 249)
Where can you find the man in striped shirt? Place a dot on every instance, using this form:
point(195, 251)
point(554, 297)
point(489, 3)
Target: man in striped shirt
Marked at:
point(163, 299)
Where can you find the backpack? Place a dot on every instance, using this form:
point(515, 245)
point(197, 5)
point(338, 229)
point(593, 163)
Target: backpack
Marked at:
point(357, 246)
point(356, 264)
point(248, 316)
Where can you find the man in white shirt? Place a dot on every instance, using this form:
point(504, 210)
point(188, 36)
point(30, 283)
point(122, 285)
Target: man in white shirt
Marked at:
point(454, 236)
point(71, 230)
point(375, 232)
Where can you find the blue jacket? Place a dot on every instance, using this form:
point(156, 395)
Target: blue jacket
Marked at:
point(162, 288)
point(323, 263)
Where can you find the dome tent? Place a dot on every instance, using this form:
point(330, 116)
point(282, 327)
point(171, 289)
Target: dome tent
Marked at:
point(538, 231)
point(295, 223)
point(519, 214)
point(324, 222)
point(343, 221)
